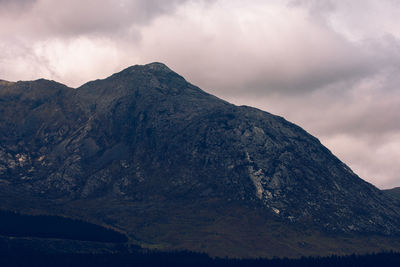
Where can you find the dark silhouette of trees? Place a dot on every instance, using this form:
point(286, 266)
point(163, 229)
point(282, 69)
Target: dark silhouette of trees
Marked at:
point(19, 225)
point(184, 258)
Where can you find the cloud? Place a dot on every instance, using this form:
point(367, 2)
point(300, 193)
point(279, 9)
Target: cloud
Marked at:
point(329, 66)
point(73, 41)
point(47, 18)
point(259, 46)
point(262, 48)
point(7, 6)
point(375, 160)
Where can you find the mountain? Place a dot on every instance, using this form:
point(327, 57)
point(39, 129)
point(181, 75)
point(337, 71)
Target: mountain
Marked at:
point(150, 155)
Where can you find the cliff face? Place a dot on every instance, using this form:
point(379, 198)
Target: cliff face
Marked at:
point(144, 142)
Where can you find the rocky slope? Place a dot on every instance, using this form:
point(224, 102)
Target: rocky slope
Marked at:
point(148, 153)
point(394, 192)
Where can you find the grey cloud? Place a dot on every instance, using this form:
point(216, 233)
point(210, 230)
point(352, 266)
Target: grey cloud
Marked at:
point(75, 17)
point(292, 60)
point(340, 63)
point(15, 6)
point(375, 160)
point(319, 9)
point(17, 2)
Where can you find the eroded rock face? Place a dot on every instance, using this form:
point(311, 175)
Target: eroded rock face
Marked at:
point(146, 133)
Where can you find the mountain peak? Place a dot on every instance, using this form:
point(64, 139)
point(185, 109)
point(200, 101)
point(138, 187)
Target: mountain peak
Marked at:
point(151, 80)
point(157, 66)
point(154, 67)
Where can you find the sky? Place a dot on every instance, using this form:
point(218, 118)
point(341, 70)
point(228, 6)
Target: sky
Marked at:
point(330, 66)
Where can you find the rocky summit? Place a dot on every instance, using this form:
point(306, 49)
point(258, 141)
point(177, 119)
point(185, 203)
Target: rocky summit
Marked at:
point(173, 167)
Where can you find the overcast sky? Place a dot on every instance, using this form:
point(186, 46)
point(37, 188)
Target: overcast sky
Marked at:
point(330, 66)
